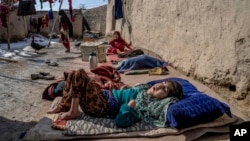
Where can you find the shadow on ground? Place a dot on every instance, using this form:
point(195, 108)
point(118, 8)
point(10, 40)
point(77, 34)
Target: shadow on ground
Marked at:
point(13, 130)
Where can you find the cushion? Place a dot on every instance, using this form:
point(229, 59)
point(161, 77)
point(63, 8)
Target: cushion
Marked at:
point(188, 88)
point(196, 109)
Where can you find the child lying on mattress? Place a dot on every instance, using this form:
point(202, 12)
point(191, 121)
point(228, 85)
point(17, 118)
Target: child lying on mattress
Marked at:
point(127, 106)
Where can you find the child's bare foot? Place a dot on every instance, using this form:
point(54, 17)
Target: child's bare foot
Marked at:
point(53, 110)
point(68, 115)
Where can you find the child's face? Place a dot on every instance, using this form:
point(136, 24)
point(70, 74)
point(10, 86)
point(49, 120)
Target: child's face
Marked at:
point(115, 36)
point(159, 90)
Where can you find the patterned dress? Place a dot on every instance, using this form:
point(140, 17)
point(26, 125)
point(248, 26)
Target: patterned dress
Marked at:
point(93, 100)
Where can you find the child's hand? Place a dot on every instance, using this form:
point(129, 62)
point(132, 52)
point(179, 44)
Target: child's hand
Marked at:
point(132, 104)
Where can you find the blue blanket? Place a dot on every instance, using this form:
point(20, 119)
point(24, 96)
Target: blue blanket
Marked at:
point(140, 62)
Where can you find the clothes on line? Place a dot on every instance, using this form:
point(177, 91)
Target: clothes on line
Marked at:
point(50, 13)
point(45, 20)
point(3, 15)
point(26, 7)
point(118, 9)
point(38, 22)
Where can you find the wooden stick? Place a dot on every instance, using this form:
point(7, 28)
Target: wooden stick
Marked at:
point(53, 26)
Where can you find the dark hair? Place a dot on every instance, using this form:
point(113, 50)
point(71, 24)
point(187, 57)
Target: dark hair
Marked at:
point(176, 89)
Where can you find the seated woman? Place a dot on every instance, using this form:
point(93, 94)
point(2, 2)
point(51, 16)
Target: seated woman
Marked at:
point(118, 45)
point(127, 106)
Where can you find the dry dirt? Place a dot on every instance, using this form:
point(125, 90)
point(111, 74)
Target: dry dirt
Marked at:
point(21, 106)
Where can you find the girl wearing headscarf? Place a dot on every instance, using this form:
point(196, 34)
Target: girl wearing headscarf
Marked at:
point(118, 44)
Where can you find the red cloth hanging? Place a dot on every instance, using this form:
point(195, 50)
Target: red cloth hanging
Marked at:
point(3, 15)
point(71, 10)
point(45, 20)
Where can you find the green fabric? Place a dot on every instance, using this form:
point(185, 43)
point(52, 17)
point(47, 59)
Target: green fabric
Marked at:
point(149, 109)
point(124, 96)
point(152, 110)
point(126, 117)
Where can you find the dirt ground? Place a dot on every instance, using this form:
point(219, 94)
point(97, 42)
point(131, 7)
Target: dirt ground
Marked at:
point(21, 106)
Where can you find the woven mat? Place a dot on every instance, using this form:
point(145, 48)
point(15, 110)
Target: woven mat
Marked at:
point(98, 128)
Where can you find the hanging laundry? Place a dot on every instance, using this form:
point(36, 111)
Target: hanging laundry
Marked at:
point(65, 20)
point(3, 15)
point(34, 22)
point(118, 9)
point(50, 13)
point(51, 1)
point(71, 10)
point(26, 7)
point(45, 20)
point(39, 24)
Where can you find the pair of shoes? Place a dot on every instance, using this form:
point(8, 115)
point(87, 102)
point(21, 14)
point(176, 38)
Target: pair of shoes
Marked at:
point(46, 76)
point(47, 61)
point(114, 62)
point(52, 64)
point(42, 75)
point(158, 71)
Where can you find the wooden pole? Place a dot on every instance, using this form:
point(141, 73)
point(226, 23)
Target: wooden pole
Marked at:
point(8, 31)
point(8, 59)
point(9, 4)
point(25, 26)
point(55, 22)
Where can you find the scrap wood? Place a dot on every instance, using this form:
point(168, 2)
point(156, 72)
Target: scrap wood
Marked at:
point(8, 59)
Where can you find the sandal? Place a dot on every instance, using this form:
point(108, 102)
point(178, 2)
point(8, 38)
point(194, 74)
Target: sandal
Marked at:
point(42, 76)
point(44, 73)
point(49, 77)
point(67, 51)
point(47, 61)
point(158, 71)
point(34, 76)
point(52, 64)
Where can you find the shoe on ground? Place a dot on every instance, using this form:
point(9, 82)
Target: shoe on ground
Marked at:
point(34, 76)
point(67, 51)
point(49, 77)
point(52, 64)
point(158, 71)
point(44, 73)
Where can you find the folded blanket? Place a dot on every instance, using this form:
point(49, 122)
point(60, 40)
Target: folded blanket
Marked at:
point(140, 62)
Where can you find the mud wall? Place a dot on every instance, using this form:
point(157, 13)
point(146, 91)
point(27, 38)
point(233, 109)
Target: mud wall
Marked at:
point(94, 18)
point(206, 39)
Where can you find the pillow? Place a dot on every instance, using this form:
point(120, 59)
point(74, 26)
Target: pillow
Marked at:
point(195, 109)
point(188, 88)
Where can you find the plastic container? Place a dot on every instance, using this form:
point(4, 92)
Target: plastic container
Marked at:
point(92, 61)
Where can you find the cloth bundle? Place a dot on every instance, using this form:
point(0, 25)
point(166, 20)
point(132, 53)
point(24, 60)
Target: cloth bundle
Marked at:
point(26, 7)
